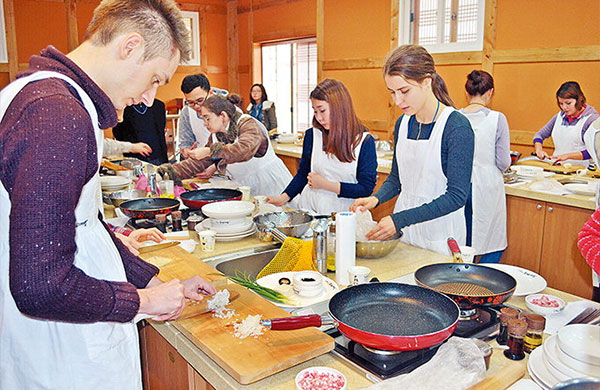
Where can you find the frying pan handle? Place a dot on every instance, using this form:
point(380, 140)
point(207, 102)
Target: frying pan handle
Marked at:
point(453, 245)
point(297, 322)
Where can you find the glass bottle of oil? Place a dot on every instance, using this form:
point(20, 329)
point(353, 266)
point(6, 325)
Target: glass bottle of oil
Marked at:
point(331, 246)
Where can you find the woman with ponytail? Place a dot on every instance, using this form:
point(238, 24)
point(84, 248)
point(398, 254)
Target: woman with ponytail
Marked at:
point(238, 145)
point(486, 206)
point(433, 157)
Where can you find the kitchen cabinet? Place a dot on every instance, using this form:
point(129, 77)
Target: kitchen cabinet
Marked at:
point(542, 237)
point(290, 162)
point(163, 368)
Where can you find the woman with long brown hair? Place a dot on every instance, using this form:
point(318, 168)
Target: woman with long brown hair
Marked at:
point(338, 162)
point(433, 157)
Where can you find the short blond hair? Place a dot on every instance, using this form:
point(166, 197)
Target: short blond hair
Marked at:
point(159, 22)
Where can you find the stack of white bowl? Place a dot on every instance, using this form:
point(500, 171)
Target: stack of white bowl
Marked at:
point(114, 183)
point(574, 352)
point(229, 220)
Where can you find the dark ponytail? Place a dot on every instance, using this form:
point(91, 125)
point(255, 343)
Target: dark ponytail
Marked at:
point(413, 62)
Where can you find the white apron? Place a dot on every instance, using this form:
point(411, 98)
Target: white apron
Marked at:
point(320, 201)
point(266, 175)
point(423, 180)
point(199, 129)
point(489, 199)
point(567, 139)
point(44, 354)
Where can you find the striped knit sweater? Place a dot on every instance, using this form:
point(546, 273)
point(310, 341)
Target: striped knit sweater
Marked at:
point(589, 241)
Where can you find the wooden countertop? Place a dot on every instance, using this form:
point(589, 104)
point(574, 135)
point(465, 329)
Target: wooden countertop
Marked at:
point(384, 166)
point(403, 260)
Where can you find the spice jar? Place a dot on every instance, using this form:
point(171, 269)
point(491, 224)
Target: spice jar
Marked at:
point(535, 331)
point(161, 222)
point(192, 221)
point(177, 223)
point(506, 314)
point(516, 333)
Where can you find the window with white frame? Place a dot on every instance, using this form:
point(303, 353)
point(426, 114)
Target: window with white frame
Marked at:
point(289, 74)
point(3, 52)
point(192, 22)
point(442, 26)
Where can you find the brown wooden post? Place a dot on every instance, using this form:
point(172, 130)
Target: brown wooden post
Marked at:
point(232, 47)
point(72, 35)
point(489, 36)
point(320, 38)
point(11, 39)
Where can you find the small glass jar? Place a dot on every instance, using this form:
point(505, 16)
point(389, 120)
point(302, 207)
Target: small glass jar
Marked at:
point(177, 223)
point(535, 332)
point(516, 333)
point(161, 222)
point(506, 314)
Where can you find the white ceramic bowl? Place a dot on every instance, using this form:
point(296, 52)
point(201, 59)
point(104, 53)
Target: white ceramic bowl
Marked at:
point(287, 138)
point(585, 368)
point(552, 361)
point(228, 210)
point(308, 283)
point(527, 171)
point(227, 222)
point(582, 342)
point(113, 183)
point(336, 378)
point(544, 304)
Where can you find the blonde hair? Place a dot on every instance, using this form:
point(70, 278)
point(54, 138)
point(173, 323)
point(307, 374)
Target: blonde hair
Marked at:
point(159, 22)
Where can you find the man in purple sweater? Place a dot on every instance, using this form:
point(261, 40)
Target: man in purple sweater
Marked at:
point(69, 291)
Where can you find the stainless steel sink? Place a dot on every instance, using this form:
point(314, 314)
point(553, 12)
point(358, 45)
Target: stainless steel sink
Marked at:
point(248, 262)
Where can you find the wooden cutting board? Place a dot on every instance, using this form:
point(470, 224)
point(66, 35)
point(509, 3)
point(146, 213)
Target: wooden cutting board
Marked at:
point(250, 359)
point(549, 167)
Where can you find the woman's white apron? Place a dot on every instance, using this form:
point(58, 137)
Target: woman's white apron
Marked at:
point(489, 198)
point(423, 180)
point(320, 201)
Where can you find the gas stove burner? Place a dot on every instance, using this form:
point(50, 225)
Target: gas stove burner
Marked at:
point(466, 315)
point(480, 323)
point(382, 352)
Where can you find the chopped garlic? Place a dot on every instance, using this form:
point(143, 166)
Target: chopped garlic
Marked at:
point(251, 326)
point(217, 305)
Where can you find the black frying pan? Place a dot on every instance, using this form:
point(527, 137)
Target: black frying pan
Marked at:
point(148, 207)
point(197, 198)
point(469, 285)
point(388, 316)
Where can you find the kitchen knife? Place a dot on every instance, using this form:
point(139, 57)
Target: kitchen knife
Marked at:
point(152, 248)
point(453, 245)
point(194, 308)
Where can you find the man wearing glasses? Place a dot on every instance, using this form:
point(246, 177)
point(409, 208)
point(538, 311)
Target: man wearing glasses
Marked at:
point(190, 127)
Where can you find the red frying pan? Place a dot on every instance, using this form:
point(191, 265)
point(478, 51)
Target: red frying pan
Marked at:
point(387, 316)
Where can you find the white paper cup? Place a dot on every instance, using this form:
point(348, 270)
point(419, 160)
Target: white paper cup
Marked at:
point(207, 240)
point(468, 253)
point(358, 275)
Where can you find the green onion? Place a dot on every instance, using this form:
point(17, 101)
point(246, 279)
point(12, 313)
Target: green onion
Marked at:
point(245, 280)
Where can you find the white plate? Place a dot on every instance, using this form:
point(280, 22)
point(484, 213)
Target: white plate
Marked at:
point(272, 281)
point(113, 182)
point(580, 189)
point(228, 209)
point(550, 348)
point(528, 282)
point(237, 237)
point(524, 384)
point(226, 229)
point(539, 369)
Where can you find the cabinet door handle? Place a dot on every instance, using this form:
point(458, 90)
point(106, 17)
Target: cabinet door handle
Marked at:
point(539, 207)
point(550, 209)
